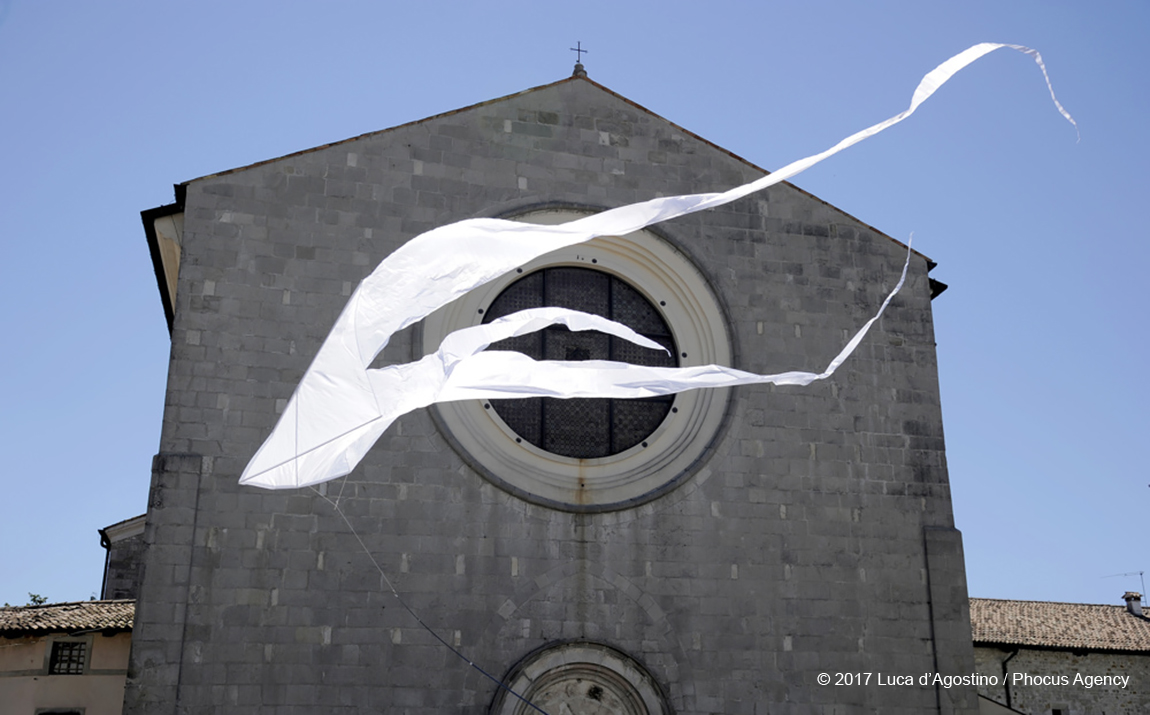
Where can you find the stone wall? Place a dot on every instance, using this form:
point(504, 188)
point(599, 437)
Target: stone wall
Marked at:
point(814, 535)
point(1044, 681)
point(122, 568)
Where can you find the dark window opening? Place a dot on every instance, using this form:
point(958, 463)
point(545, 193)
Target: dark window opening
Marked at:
point(584, 428)
point(67, 658)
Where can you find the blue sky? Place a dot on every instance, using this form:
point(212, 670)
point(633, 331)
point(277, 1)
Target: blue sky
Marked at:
point(1041, 238)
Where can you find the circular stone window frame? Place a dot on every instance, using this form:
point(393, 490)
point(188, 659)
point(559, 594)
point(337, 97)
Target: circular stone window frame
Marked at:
point(673, 284)
point(594, 663)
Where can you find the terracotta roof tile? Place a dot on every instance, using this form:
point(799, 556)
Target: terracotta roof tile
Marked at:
point(1071, 626)
point(68, 617)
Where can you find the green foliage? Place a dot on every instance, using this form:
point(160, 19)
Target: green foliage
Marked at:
point(34, 599)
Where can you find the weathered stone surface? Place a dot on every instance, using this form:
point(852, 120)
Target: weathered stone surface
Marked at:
point(796, 548)
point(1074, 682)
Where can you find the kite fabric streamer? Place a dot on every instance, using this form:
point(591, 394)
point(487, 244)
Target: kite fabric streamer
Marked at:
point(341, 407)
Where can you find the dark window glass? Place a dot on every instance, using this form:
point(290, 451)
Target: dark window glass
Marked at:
point(584, 428)
point(67, 658)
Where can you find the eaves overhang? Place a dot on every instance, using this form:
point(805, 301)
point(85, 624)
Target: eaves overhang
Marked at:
point(163, 227)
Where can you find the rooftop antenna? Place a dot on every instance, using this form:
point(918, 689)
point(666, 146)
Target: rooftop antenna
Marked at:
point(1139, 574)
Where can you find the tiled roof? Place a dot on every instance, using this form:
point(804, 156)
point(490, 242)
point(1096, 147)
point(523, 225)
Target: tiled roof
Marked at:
point(68, 617)
point(1070, 626)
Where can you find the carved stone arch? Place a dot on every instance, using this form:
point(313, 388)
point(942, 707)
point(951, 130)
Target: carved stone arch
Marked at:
point(577, 678)
point(561, 585)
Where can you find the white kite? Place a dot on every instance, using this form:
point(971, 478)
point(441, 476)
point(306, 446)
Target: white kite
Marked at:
point(341, 406)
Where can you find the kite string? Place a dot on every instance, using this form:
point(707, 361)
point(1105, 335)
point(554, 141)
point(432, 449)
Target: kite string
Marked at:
point(342, 484)
point(395, 593)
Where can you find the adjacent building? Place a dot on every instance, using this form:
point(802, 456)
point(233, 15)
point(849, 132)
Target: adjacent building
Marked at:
point(123, 543)
point(65, 658)
point(1064, 658)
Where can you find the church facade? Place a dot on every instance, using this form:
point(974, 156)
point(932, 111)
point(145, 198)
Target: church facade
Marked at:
point(714, 552)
